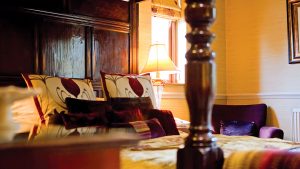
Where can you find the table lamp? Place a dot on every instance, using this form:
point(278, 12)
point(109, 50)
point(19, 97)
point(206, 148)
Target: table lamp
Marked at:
point(158, 61)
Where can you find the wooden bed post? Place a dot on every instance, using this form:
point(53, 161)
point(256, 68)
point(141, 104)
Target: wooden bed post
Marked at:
point(200, 150)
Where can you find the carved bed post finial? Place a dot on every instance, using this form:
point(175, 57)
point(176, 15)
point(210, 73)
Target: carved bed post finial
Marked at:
point(200, 150)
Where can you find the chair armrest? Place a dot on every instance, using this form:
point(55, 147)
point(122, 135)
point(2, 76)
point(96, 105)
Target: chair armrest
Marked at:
point(270, 132)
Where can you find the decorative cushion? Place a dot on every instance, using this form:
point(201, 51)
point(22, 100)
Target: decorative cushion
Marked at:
point(82, 120)
point(125, 116)
point(145, 129)
point(86, 113)
point(155, 128)
point(76, 106)
point(238, 128)
point(127, 103)
point(54, 91)
point(56, 118)
point(166, 119)
point(127, 85)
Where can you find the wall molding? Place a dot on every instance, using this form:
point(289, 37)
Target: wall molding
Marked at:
point(99, 23)
point(275, 95)
point(181, 95)
point(239, 96)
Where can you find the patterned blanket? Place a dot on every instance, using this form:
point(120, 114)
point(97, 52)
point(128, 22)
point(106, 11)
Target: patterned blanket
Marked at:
point(160, 153)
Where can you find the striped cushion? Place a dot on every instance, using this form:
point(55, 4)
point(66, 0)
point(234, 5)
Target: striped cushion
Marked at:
point(142, 129)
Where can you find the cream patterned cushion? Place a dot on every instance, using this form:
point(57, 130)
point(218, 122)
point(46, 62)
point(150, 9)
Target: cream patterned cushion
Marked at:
point(54, 91)
point(127, 85)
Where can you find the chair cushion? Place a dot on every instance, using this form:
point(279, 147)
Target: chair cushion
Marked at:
point(238, 128)
point(256, 113)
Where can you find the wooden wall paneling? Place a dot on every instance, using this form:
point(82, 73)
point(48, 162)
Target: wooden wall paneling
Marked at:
point(110, 52)
point(63, 49)
point(66, 38)
point(16, 48)
point(134, 18)
point(105, 24)
point(113, 9)
point(37, 51)
point(88, 53)
point(47, 5)
point(96, 81)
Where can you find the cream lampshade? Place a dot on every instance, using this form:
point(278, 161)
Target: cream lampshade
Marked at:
point(158, 61)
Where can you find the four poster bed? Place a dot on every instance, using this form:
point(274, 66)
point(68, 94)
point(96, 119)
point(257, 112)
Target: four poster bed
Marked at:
point(41, 42)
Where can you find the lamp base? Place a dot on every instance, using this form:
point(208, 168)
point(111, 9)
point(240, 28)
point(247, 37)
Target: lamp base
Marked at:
point(158, 82)
point(158, 90)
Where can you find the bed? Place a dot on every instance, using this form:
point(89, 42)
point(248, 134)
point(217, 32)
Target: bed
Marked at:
point(73, 39)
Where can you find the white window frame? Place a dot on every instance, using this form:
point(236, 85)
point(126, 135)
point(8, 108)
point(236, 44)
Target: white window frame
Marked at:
point(176, 46)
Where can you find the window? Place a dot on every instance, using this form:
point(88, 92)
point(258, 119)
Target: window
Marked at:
point(181, 50)
point(172, 34)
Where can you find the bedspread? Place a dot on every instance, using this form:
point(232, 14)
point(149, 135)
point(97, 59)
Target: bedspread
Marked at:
point(160, 153)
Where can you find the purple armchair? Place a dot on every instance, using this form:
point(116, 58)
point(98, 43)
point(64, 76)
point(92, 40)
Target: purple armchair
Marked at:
point(256, 113)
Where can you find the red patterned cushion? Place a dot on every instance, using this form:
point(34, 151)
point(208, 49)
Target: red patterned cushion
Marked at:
point(127, 85)
point(54, 91)
point(166, 119)
point(122, 103)
point(155, 128)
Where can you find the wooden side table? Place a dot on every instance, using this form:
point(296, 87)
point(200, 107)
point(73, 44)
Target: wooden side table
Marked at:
point(96, 152)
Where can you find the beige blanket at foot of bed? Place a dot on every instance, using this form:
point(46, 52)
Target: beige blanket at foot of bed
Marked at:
point(160, 153)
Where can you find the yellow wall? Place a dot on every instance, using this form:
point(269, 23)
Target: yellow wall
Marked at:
point(173, 98)
point(252, 61)
point(219, 46)
point(257, 59)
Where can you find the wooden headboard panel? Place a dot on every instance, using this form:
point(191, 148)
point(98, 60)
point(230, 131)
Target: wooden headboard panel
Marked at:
point(67, 38)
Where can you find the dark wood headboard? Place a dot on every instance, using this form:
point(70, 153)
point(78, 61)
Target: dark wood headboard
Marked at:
point(67, 38)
